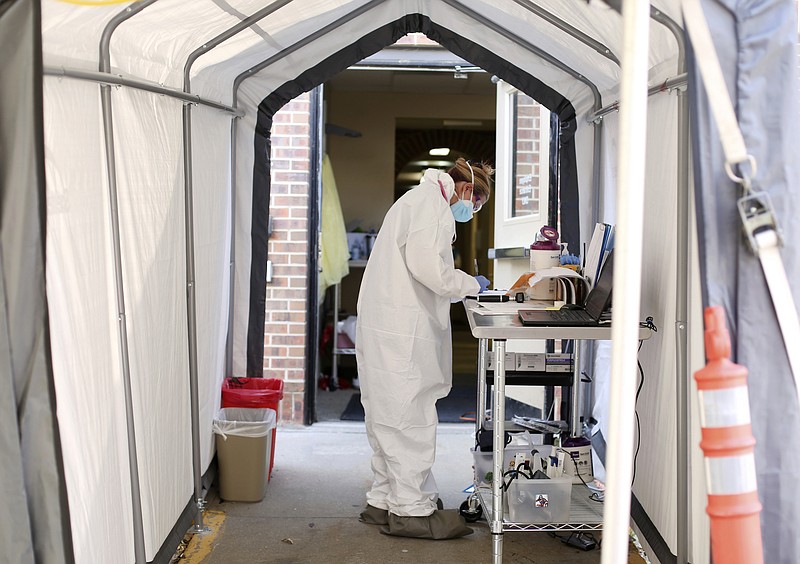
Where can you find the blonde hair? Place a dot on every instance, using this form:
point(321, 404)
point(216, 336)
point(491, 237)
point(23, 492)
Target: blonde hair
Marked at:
point(482, 172)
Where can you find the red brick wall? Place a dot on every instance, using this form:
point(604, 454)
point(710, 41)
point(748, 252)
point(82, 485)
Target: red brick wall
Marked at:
point(285, 321)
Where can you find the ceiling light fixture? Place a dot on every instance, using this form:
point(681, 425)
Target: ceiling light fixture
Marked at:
point(439, 152)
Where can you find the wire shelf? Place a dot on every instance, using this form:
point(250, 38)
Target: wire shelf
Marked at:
point(584, 513)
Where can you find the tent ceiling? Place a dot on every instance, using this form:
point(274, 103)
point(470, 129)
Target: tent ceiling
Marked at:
point(155, 43)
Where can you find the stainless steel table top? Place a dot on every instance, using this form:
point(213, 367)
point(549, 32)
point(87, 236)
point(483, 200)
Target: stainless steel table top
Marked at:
point(500, 321)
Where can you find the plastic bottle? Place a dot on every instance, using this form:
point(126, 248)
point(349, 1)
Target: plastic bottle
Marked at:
point(545, 253)
point(580, 467)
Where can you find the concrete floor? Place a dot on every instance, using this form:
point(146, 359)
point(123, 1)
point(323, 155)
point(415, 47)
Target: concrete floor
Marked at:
point(310, 511)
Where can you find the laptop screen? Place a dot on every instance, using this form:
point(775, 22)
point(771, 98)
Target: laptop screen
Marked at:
point(600, 296)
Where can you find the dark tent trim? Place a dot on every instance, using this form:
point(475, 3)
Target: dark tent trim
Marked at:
point(368, 45)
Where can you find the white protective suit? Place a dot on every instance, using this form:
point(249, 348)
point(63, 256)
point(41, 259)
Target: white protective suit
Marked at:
point(403, 343)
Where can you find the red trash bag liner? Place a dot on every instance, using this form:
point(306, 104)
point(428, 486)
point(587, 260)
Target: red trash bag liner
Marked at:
point(255, 393)
point(252, 392)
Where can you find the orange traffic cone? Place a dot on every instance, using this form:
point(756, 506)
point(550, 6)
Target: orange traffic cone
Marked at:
point(727, 442)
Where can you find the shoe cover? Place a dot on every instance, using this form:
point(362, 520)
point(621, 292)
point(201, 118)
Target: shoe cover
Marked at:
point(440, 525)
point(374, 516)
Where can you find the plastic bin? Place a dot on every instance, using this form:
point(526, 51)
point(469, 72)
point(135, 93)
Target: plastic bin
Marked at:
point(522, 443)
point(539, 501)
point(244, 444)
point(254, 393)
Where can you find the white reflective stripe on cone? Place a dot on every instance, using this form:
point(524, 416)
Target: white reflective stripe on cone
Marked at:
point(730, 475)
point(726, 407)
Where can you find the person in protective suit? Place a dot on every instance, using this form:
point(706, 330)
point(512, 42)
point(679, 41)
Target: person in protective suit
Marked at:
point(404, 348)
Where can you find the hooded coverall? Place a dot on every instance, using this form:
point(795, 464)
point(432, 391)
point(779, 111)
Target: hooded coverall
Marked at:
point(403, 343)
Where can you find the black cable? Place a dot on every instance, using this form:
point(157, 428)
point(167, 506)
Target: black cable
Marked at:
point(636, 413)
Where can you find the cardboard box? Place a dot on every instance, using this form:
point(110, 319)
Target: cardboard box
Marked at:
point(558, 362)
point(531, 362)
point(510, 364)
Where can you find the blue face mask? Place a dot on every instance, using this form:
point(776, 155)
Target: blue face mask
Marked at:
point(462, 211)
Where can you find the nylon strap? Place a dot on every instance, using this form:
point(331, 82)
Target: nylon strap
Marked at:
point(765, 239)
point(718, 97)
point(785, 309)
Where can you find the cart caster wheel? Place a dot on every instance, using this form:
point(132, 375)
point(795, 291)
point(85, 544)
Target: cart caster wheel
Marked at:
point(470, 514)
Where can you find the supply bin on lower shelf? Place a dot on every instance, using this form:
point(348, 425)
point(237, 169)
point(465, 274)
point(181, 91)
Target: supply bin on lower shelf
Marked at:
point(254, 393)
point(539, 501)
point(244, 445)
point(522, 443)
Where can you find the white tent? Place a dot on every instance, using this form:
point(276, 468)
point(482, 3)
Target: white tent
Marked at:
point(150, 123)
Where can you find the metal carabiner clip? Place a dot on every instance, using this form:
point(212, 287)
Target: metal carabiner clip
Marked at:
point(758, 215)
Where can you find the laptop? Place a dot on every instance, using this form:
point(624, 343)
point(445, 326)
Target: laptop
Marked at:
point(597, 302)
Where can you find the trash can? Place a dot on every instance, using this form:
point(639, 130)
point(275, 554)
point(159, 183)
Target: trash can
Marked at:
point(243, 439)
point(254, 393)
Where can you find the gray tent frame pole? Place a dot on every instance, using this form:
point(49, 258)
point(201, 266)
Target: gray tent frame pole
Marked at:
point(682, 388)
point(300, 44)
point(187, 69)
point(104, 78)
point(191, 314)
point(191, 293)
point(675, 83)
point(105, 100)
point(544, 55)
point(453, 3)
point(573, 31)
point(232, 260)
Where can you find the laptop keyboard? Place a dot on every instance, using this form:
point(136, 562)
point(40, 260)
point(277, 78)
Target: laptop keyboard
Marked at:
point(569, 315)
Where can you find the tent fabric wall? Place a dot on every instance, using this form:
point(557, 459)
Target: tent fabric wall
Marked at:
point(151, 204)
point(768, 117)
point(34, 519)
point(656, 404)
point(295, 43)
point(85, 347)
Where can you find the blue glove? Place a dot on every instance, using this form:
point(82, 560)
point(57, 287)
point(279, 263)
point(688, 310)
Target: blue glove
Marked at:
point(483, 281)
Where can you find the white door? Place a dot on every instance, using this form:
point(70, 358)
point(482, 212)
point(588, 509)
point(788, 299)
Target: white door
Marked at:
point(521, 178)
point(521, 192)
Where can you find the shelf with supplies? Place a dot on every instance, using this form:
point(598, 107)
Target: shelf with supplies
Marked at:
point(533, 369)
point(555, 504)
point(336, 350)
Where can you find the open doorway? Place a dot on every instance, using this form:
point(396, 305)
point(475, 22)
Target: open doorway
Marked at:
point(389, 119)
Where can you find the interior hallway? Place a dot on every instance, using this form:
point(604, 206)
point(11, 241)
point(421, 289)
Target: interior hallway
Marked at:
point(310, 511)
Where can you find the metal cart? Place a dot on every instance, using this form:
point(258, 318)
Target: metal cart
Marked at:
point(585, 515)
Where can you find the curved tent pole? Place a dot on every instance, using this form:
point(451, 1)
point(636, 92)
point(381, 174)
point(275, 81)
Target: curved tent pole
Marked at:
point(365, 8)
point(453, 3)
point(677, 82)
point(108, 128)
point(544, 55)
point(682, 389)
point(551, 18)
point(191, 304)
point(105, 78)
point(187, 69)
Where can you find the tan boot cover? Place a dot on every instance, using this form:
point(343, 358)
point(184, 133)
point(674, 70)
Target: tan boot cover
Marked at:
point(440, 525)
point(374, 516)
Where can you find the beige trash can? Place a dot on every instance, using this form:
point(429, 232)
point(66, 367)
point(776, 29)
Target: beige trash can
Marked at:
point(243, 440)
